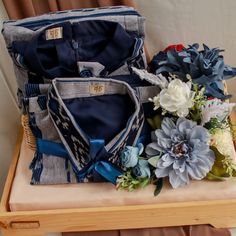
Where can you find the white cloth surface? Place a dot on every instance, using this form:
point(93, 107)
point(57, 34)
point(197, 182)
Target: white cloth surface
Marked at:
point(29, 197)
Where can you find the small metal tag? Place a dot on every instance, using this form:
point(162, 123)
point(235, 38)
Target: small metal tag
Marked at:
point(54, 33)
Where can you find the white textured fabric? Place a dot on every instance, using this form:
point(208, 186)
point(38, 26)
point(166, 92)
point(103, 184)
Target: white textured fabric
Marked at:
point(8, 128)
point(6, 65)
point(9, 118)
point(188, 21)
point(233, 232)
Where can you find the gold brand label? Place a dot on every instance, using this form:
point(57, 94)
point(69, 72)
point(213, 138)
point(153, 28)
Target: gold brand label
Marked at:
point(54, 33)
point(97, 89)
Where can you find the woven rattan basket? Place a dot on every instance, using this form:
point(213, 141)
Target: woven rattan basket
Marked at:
point(29, 137)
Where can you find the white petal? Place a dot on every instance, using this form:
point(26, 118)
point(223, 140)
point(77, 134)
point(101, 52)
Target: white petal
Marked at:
point(182, 112)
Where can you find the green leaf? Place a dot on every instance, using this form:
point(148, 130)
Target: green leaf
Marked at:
point(153, 160)
point(234, 173)
point(151, 122)
point(219, 170)
point(131, 188)
point(135, 181)
point(155, 122)
point(159, 185)
point(130, 183)
point(211, 176)
point(145, 182)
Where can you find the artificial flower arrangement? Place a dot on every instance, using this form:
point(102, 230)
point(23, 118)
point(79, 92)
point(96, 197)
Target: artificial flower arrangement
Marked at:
point(191, 136)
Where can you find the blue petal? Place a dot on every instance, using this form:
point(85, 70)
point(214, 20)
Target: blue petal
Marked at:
point(200, 133)
point(142, 170)
point(140, 148)
point(143, 163)
point(129, 156)
point(153, 149)
point(166, 160)
point(185, 126)
point(184, 176)
point(176, 136)
point(162, 139)
point(194, 173)
point(167, 126)
point(179, 165)
point(160, 173)
point(175, 180)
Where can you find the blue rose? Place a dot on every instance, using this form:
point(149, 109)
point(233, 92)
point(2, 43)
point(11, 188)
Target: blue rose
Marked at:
point(142, 170)
point(130, 154)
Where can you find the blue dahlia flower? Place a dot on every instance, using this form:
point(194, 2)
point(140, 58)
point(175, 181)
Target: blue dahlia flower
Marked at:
point(206, 67)
point(185, 151)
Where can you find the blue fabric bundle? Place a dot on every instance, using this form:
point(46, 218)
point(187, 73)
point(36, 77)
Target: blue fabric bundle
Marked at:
point(76, 85)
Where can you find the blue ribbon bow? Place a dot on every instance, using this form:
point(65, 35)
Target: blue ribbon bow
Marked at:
point(99, 162)
point(98, 155)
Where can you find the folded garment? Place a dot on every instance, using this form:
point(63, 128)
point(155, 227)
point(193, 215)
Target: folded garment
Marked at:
point(81, 126)
point(75, 43)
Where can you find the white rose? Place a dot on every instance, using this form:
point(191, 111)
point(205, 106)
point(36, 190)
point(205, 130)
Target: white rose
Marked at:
point(177, 97)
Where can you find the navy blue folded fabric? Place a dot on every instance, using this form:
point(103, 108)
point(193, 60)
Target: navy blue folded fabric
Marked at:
point(103, 42)
point(105, 115)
